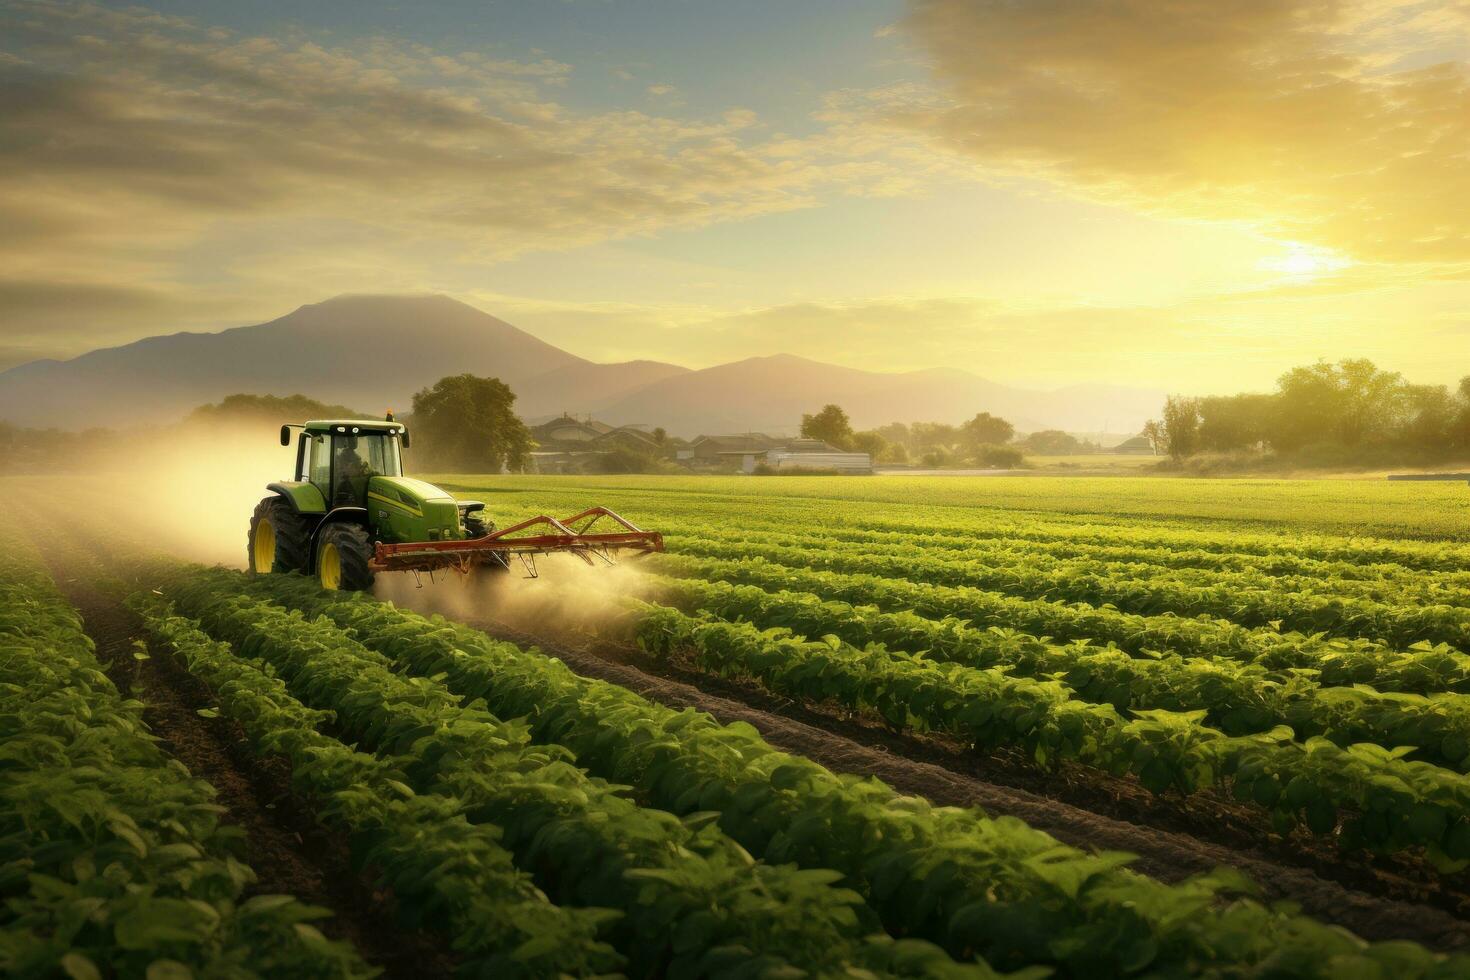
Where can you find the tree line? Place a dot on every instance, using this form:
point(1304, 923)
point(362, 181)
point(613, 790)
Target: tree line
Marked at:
point(983, 440)
point(1350, 410)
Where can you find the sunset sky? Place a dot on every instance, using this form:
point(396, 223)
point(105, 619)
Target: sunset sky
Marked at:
point(1193, 196)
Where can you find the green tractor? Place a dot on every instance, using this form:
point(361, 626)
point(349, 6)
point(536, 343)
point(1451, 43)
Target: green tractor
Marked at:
point(350, 513)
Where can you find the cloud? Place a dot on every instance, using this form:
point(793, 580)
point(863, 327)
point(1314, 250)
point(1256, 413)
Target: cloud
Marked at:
point(149, 153)
point(1341, 123)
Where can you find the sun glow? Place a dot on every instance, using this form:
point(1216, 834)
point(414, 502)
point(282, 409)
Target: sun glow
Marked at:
point(1301, 261)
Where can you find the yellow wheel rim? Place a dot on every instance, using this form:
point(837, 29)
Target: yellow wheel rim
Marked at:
point(329, 567)
point(265, 547)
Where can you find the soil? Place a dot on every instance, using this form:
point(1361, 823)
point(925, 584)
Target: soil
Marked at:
point(1172, 841)
point(290, 853)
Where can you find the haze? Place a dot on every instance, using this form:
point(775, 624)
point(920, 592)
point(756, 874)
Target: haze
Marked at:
point(1195, 196)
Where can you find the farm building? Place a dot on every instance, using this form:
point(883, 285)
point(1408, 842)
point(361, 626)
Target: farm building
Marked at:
point(1137, 446)
point(568, 444)
point(830, 459)
point(723, 452)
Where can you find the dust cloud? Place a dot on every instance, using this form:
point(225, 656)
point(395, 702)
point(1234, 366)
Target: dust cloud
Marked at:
point(567, 596)
point(184, 491)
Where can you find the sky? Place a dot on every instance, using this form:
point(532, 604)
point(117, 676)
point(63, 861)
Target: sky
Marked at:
point(1193, 196)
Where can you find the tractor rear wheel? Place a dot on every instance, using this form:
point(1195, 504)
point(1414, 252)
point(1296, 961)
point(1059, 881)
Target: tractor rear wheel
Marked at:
point(279, 538)
point(342, 558)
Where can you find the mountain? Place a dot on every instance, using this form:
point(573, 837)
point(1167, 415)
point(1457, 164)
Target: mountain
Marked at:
point(770, 394)
point(586, 386)
point(376, 351)
point(373, 351)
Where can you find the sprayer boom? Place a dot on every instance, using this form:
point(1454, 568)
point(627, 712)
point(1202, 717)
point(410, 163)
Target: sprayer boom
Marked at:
point(572, 534)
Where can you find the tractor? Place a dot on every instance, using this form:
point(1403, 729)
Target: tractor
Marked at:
point(350, 513)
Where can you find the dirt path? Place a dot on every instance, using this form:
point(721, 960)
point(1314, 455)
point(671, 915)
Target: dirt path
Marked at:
point(290, 853)
point(1164, 854)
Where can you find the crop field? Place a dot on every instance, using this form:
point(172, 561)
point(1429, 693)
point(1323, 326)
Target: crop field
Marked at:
point(950, 727)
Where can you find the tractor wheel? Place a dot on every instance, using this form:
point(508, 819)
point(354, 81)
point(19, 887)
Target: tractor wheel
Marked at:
point(280, 539)
point(477, 527)
point(342, 558)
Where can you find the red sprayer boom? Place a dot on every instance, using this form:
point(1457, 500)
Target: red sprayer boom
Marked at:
point(572, 534)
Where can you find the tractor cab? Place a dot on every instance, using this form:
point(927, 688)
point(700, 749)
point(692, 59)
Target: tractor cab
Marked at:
point(340, 458)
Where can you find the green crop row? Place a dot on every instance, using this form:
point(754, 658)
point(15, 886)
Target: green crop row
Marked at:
point(1239, 699)
point(1335, 662)
point(112, 858)
point(1370, 578)
point(1366, 795)
point(666, 508)
point(694, 903)
point(1001, 538)
point(1018, 569)
point(444, 871)
point(1150, 594)
point(992, 887)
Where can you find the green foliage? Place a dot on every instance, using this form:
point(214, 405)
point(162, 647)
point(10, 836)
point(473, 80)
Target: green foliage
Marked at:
point(1238, 698)
point(1180, 428)
point(1166, 750)
point(998, 457)
point(269, 410)
point(986, 430)
point(977, 885)
point(1054, 442)
point(829, 425)
point(1402, 612)
point(1326, 414)
point(443, 868)
point(693, 901)
point(112, 858)
point(467, 424)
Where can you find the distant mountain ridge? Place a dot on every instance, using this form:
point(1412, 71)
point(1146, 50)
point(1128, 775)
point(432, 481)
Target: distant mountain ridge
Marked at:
point(379, 350)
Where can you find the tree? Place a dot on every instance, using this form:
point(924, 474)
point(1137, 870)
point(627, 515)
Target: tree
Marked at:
point(1181, 426)
point(660, 435)
point(897, 432)
point(1349, 403)
point(925, 436)
point(986, 430)
point(1153, 431)
point(1460, 432)
point(999, 457)
point(1430, 417)
point(271, 410)
point(830, 425)
point(466, 424)
point(1053, 442)
point(1229, 422)
point(869, 442)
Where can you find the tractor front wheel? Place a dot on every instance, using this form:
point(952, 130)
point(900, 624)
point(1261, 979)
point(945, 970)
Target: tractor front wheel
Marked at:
point(342, 558)
point(279, 539)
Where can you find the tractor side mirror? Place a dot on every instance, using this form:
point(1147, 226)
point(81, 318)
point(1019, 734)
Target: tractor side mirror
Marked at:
point(403, 437)
point(285, 435)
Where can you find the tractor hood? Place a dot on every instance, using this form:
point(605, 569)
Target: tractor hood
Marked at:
point(417, 489)
point(404, 509)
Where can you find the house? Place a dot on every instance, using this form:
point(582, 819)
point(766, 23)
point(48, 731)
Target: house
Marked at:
point(707, 452)
point(569, 429)
point(1137, 446)
point(572, 445)
point(627, 437)
point(828, 458)
point(743, 453)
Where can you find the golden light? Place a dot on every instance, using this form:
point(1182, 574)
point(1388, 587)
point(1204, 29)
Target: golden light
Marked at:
point(1302, 261)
